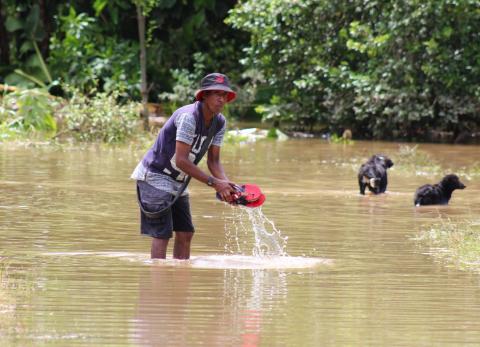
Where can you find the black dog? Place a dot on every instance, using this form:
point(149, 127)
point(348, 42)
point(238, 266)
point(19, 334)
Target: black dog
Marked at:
point(438, 194)
point(373, 174)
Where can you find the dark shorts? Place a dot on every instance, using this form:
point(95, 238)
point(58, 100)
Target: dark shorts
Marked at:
point(178, 218)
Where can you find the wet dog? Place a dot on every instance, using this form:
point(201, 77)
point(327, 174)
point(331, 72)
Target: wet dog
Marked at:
point(373, 174)
point(438, 194)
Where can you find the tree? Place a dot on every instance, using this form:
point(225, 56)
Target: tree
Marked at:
point(106, 45)
point(4, 47)
point(143, 64)
point(384, 69)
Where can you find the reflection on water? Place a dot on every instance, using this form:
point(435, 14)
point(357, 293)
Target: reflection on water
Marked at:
point(228, 313)
point(351, 273)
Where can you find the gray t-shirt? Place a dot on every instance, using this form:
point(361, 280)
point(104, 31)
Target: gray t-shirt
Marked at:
point(158, 165)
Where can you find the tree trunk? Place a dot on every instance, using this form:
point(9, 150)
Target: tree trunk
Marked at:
point(44, 45)
point(143, 66)
point(4, 48)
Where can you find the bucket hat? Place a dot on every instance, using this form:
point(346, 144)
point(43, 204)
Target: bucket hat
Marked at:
point(215, 81)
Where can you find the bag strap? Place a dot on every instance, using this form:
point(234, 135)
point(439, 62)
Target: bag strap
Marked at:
point(203, 150)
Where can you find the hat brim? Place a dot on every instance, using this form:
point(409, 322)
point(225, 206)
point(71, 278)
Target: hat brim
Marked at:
point(259, 202)
point(230, 96)
point(254, 195)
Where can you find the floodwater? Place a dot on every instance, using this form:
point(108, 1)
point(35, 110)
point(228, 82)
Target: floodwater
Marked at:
point(352, 273)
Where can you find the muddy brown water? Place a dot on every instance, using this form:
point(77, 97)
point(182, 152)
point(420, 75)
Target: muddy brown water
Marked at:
point(354, 275)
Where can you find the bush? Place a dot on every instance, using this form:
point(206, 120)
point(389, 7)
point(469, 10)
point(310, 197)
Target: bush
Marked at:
point(383, 69)
point(25, 112)
point(99, 118)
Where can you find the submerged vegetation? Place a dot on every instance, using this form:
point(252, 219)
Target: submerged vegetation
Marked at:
point(454, 241)
point(98, 118)
point(345, 140)
point(27, 113)
point(412, 159)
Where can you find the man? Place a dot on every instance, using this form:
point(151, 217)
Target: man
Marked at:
point(164, 167)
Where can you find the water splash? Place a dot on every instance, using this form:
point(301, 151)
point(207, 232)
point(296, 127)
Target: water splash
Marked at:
point(267, 239)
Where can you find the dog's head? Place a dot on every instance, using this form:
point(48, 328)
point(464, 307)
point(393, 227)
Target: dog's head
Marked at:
point(383, 160)
point(452, 182)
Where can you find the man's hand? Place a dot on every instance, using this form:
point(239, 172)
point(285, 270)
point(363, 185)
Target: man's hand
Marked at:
point(224, 189)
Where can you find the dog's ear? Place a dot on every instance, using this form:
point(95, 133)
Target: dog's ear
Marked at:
point(388, 162)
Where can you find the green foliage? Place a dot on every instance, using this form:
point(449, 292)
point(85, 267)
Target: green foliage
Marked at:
point(94, 45)
point(185, 29)
point(81, 55)
point(25, 112)
point(278, 110)
point(31, 77)
point(382, 69)
point(232, 138)
point(340, 140)
point(185, 84)
point(24, 23)
point(148, 5)
point(7, 133)
point(98, 118)
point(272, 133)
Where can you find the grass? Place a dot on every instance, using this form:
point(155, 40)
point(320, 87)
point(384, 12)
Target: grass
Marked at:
point(456, 242)
point(410, 159)
point(471, 171)
point(474, 170)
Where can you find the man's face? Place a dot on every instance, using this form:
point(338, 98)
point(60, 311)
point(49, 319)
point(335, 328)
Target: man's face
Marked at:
point(215, 100)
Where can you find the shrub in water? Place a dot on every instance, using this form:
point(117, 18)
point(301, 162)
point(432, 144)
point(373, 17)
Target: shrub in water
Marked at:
point(25, 112)
point(99, 118)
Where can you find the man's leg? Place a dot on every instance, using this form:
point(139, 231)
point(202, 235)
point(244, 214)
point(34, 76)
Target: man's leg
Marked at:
point(160, 229)
point(159, 248)
point(181, 248)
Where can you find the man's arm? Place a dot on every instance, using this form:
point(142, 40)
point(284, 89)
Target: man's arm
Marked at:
point(220, 183)
point(213, 163)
